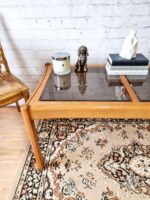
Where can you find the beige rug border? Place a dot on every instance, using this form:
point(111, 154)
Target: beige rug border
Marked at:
point(19, 170)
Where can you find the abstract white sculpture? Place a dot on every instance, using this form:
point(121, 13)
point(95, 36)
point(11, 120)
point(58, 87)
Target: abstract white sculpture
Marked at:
point(129, 47)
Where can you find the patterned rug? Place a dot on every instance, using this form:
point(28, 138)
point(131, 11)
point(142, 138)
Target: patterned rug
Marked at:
point(89, 160)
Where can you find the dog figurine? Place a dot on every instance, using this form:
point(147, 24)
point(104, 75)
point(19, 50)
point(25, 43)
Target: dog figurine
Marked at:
point(81, 65)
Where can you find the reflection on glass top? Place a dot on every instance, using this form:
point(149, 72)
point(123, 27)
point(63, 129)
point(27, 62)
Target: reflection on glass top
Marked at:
point(143, 91)
point(90, 86)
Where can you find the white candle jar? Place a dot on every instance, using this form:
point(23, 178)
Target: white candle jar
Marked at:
point(61, 63)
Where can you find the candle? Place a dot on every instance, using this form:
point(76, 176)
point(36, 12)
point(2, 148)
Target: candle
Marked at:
point(61, 63)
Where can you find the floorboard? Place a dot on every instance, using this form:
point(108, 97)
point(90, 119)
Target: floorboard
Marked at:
point(13, 146)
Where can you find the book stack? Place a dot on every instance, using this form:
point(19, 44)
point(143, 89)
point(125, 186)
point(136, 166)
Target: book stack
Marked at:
point(117, 65)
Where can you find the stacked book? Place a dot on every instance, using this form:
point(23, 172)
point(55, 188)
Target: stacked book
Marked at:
point(117, 65)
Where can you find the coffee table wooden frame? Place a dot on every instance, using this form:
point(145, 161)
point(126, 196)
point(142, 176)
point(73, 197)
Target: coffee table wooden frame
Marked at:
point(35, 109)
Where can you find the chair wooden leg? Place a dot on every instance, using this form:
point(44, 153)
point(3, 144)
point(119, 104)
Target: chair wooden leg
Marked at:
point(26, 96)
point(18, 107)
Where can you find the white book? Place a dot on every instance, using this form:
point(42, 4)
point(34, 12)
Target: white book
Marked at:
point(112, 67)
point(126, 72)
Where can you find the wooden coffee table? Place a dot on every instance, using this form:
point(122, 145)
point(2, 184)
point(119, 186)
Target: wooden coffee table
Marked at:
point(90, 95)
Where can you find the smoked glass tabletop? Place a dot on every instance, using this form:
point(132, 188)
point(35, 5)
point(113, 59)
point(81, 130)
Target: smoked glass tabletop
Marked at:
point(93, 85)
point(143, 91)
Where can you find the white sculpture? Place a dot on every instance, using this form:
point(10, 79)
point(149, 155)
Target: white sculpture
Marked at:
point(129, 47)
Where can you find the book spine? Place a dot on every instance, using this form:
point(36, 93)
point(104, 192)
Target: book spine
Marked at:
point(126, 72)
point(112, 67)
point(127, 62)
point(117, 63)
point(129, 68)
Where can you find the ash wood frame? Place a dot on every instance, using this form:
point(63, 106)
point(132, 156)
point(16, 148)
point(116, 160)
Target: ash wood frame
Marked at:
point(35, 109)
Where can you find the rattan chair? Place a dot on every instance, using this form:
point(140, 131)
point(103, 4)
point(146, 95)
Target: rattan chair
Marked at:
point(11, 88)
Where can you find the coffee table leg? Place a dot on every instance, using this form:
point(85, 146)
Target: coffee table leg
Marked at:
point(32, 134)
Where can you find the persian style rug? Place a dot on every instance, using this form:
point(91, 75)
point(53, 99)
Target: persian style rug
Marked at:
point(89, 159)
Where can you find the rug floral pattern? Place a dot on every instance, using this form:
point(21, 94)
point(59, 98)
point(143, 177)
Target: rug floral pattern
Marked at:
point(89, 159)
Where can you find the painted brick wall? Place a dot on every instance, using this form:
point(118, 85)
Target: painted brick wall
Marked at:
point(30, 31)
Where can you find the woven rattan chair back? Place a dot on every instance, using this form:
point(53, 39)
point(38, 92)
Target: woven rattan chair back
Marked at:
point(3, 60)
point(11, 88)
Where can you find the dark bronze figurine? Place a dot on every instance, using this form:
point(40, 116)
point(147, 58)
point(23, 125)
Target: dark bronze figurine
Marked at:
point(81, 65)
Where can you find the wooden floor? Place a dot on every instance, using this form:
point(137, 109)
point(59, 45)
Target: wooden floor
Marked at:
point(13, 145)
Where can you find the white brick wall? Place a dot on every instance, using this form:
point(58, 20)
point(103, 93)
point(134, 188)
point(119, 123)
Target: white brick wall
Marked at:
point(30, 31)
